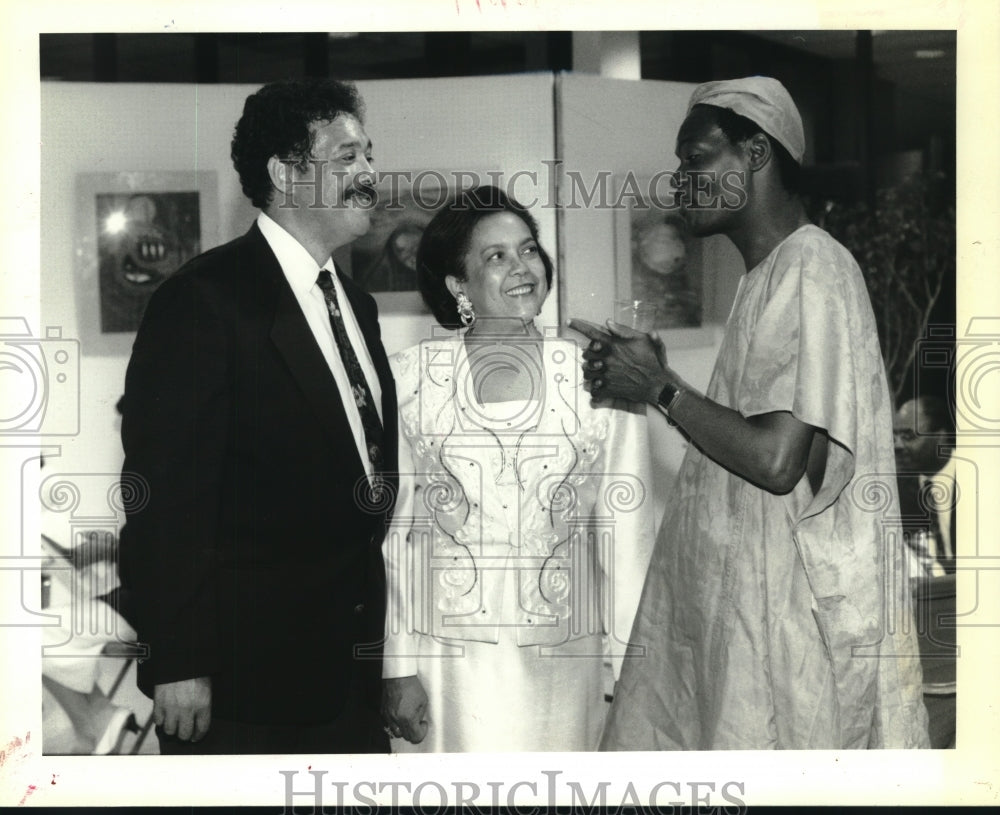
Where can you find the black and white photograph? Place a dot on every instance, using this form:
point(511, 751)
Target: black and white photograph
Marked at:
point(638, 453)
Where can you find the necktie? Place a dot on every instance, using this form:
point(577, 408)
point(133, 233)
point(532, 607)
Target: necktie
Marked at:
point(359, 385)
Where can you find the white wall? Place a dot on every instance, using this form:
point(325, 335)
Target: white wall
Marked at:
point(484, 124)
point(88, 128)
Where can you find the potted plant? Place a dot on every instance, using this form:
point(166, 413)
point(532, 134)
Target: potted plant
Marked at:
point(905, 246)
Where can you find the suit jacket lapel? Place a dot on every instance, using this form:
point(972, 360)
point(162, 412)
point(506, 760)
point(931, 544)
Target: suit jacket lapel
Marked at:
point(368, 323)
point(370, 331)
point(295, 342)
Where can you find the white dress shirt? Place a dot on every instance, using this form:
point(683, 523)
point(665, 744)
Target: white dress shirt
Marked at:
point(301, 272)
point(939, 490)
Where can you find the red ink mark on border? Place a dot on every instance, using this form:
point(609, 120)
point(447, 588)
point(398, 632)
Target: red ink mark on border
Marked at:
point(479, 5)
point(31, 789)
point(13, 746)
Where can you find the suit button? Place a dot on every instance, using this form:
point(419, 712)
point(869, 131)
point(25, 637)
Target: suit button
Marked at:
point(359, 608)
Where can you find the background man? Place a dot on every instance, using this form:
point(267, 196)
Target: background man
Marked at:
point(260, 412)
point(762, 617)
point(924, 434)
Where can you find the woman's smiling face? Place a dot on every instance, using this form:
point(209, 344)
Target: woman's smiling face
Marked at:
point(505, 274)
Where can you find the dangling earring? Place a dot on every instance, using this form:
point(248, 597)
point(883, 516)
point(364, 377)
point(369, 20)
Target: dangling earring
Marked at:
point(466, 313)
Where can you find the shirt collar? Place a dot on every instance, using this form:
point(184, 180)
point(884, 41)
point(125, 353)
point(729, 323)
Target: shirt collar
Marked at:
point(298, 265)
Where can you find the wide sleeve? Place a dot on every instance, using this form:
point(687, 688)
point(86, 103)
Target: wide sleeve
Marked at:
point(624, 497)
point(803, 352)
point(813, 351)
point(174, 433)
point(399, 549)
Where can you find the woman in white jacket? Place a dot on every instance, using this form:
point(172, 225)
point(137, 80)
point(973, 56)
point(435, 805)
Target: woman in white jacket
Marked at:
point(524, 519)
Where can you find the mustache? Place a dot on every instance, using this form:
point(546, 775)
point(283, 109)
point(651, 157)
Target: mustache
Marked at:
point(362, 184)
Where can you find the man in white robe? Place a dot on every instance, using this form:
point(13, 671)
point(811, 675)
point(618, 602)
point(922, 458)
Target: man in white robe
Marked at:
point(774, 613)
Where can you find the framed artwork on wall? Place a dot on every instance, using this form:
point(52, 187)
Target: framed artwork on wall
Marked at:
point(384, 261)
point(656, 259)
point(690, 280)
point(135, 229)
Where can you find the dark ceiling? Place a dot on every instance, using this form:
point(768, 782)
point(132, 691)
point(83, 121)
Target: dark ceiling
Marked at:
point(920, 62)
point(872, 92)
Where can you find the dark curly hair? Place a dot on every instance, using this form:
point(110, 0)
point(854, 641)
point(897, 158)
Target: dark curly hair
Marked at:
point(739, 128)
point(445, 243)
point(275, 122)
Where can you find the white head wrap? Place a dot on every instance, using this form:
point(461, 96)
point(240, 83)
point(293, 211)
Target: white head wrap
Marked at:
point(764, 101)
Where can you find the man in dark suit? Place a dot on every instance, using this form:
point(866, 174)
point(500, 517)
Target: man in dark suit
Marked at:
point(260, 419)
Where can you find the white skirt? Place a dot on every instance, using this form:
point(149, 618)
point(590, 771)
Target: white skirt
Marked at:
point(503, 697)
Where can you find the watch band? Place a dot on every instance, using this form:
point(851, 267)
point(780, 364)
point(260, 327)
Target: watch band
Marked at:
point(668, 399)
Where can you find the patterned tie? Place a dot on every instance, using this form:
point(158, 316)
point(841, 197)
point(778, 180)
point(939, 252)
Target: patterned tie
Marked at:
point(359, 385)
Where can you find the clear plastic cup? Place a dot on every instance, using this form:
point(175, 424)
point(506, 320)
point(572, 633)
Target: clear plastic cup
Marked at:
point(637, 314)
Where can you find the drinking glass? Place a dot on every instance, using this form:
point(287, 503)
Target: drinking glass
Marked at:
point(637, 314)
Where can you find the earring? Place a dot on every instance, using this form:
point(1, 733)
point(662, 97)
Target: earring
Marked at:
point(466, 313)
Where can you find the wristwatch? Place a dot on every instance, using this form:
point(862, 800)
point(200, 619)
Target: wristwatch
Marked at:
point(668, 399)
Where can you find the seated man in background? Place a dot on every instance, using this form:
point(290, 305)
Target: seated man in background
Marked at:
point(925, 467)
